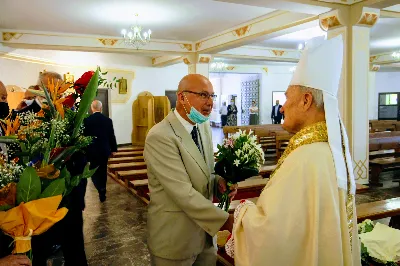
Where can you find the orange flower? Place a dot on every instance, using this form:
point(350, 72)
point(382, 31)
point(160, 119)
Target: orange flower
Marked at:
point(11, 127)
point(40, 113)
point(56, 90)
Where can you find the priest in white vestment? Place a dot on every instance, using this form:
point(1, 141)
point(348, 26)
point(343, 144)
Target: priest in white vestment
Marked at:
point(306, 214)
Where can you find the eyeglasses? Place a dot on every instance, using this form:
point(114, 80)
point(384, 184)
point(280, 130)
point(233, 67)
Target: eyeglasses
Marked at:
point(204, 95)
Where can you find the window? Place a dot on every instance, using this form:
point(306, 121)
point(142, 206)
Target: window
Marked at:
point(388, 106)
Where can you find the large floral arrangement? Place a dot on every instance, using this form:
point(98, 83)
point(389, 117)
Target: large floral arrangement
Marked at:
point(33, 171)
point(238, 158)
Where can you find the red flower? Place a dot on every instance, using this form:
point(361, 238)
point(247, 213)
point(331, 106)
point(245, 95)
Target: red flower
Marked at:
point(69, 101)
point(82, 82)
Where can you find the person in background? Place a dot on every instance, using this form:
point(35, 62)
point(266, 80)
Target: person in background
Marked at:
point(223, 111)
point(232, 114)
point(32, 102)
point(104, 143)
point(253, 113)
point(276, 114)
point(5, 259)
point(4, 109)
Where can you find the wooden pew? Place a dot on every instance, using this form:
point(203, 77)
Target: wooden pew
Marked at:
point(382, 125)
point(378, 166)
point(127, 154)
point(378, 209)
point(125, 159)
point(126, 166)
point(233, 129)
point(282, 141)
point(130, 148)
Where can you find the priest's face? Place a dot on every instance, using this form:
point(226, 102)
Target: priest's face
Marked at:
point(294, 109)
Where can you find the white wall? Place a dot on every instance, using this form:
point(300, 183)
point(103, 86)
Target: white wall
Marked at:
point(387, 82)
point(21, 67)
point(384, 82)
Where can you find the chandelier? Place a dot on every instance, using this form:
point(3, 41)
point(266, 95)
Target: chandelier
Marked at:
point(396, 54)
point(218, 66)
point(134, 37)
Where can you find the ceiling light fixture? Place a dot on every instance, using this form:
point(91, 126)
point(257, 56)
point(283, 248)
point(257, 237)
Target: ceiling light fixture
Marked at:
point(292, 69)
point(300, 46)
point(134, 38)
point(218, 66)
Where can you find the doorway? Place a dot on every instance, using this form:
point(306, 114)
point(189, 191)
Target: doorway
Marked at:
point(103, 97)
point(172, 98)
point(250, 92)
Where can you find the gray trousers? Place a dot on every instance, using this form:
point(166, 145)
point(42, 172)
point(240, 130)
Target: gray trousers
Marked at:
point(206, 258)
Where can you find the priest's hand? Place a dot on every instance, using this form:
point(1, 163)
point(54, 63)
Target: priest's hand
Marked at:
point(15, 260)
point(228, 225)
point(222, 188)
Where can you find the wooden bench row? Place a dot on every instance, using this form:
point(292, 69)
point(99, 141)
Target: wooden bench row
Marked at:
point(384, 125)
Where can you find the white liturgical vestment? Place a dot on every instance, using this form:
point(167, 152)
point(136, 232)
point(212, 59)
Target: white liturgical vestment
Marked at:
point(300, 218)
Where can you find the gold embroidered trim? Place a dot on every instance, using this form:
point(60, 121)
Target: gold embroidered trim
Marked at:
point(315, 133)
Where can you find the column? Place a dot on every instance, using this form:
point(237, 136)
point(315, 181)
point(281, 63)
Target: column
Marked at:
point(354, 25)
point(372, 94)
point(198, 64)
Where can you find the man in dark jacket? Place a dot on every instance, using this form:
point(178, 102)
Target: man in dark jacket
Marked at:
point(276, 115)
point(104, 143)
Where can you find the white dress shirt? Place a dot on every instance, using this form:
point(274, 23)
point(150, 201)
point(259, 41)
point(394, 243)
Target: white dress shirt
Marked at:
point(184, 122)
point(276, 109)
point(223, 110)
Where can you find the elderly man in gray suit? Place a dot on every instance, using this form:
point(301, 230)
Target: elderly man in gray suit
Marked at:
point(182, 219)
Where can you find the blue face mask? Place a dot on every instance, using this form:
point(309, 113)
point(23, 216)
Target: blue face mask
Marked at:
point(195, 116)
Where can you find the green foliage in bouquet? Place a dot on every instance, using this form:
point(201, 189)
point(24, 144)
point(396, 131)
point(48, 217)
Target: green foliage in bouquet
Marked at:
point(238, 158)
point(40, 144)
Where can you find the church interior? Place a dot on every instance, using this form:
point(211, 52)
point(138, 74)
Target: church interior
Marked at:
point(248, 49)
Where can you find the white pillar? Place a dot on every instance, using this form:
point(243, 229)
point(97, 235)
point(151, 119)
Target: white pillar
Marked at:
point(198, 64)
point(372, 95)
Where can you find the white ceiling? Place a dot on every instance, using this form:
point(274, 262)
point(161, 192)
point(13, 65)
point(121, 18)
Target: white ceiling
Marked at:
point(188, 20)
point(385, 36)
point(294, 36)
point(395, 8)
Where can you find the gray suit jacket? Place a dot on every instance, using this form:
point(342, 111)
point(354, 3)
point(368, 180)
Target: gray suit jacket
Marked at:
point(181, 217)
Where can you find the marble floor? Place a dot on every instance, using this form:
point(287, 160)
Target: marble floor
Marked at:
point(115, 231)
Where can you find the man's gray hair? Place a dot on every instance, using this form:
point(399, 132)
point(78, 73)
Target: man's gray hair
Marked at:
point(44, 76)
point(97, 105)
point(317, 95)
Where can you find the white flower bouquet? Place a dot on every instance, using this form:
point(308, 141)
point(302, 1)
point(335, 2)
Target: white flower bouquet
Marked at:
point(238, 158)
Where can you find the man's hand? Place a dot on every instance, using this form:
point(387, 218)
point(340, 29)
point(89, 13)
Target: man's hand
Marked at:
point(228, 225)
point(222, 188)
point(15, 260)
